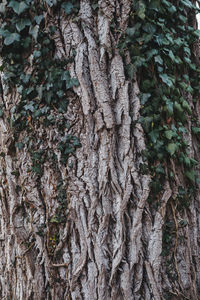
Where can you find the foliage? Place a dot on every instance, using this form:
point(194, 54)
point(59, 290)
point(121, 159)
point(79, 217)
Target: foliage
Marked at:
point(160, 38)
point(44, 85)
point(30, 65)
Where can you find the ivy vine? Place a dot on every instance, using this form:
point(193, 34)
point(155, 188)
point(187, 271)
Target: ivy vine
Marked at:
point(160, 40)
point(44, 85)
point(31, 67)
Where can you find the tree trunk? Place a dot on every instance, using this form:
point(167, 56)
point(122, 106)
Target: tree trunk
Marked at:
point(88, 225)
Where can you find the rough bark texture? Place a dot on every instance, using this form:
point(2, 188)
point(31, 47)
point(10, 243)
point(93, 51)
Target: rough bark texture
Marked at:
point(111, 243)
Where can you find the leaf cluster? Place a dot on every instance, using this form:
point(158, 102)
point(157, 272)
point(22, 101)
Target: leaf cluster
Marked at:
point(160, 38)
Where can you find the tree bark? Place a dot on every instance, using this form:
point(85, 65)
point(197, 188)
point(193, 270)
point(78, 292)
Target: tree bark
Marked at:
point(110, 244)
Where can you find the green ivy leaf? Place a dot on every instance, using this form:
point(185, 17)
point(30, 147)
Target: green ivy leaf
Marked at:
point(191, 175)
point(196, 130)
point(22, 24)
point(169, 106)
point(141, 10)
point(160, 170)
point(51, 2)
point(29, 106)
point(160, 39)
point(131, 30)
point(144, 97)
point(74, 82)
point(11, 38)
point(68, 7)
point(154, 134)
point(172, 9)
point(187, 161)
point(149, 28)
point(36, 54)
point(146, 122)
point(158, 59)
point(187, 51)
point(169, 134)
point(4, 32)
point(187, 3)
point(182, 18)
point(34, 31)
point(187, 107)
point(187, 60)
point(18, 7)
point(38, 19)
point(171, 55)
point(151, 53)
point(166, 79)
point(197, 33)
point(178, 107)
point(171, 148)
point(194, 161)
point(75, 141)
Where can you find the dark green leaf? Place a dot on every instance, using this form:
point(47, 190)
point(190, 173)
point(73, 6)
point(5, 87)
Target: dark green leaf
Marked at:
point(187, 3)
point(4, 32)
point(149, 28)
point(171, 55)
point(169, 134)
point(197, 33)
point(186, 106)
point(158, 59)
point(178, 107)
point(38, 19)
point(36, 54)
point(30, 106)
point(68, 7)
point(187, 51)
point(51, 2)
point(172, 9)
point(11, 38)
point(22, 24)
point(196, 130)
point(144, 97)
point(151, 53)
point(187, 161)
point(160, 39)
point(154, 5)
point(18, 7)
point(166, 79)
point(154, 134)
point(191, 175)
point(170, 107)
point(160, 170)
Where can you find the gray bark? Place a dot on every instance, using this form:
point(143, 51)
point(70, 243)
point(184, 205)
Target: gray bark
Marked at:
point(110, 244)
